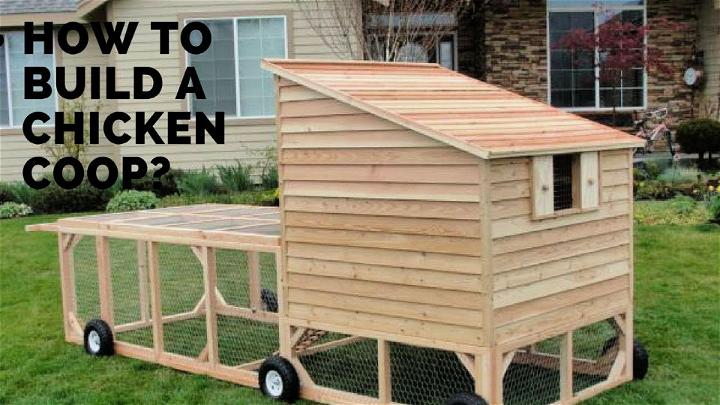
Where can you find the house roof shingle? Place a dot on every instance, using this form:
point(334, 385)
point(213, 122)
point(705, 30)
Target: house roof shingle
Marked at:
point(8, 7)
point(466, 113)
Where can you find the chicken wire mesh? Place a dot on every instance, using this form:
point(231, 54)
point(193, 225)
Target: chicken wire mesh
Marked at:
point(233, 280)
point(87, 296)
point(242, 341)
point(130, 290)
point(533, 376)
point(423, 375)
point(595, 348)
point(349, 363)
point(181, 291)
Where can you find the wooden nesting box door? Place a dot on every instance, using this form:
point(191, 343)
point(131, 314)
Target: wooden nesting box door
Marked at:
point(552, 272)
point(381, 224)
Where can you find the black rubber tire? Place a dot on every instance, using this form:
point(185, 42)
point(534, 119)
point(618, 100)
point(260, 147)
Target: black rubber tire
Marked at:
point(107, 347)
point(290, 380)
point(641, 359)
point(269, 300)
point(466, 399)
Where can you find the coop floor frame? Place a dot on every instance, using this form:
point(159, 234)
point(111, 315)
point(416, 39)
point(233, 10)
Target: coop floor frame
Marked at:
point(206, 229)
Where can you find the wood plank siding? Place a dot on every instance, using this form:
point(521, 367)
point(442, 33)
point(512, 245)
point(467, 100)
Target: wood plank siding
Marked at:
point(381, 225)
point(553, 272)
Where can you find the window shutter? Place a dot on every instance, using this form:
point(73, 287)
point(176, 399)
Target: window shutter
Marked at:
point(542, 186)
point(589, 180)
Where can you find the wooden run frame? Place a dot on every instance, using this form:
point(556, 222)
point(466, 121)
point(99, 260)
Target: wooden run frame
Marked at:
point(206, 228)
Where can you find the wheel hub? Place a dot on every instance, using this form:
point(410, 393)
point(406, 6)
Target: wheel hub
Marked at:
point(94, 341)
point(273, 383)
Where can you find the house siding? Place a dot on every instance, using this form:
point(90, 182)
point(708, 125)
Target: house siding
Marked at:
point(245, 140)
point(709, 30)
point(516, 43)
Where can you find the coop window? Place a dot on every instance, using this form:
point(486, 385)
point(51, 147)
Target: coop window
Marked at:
point(563, 182)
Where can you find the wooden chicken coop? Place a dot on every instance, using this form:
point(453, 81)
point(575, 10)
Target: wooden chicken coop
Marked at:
point(439, 240)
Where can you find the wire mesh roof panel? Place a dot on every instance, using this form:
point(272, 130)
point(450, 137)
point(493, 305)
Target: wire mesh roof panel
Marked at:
point(226, 223)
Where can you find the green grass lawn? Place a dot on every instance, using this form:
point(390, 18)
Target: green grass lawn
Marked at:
point(677, 318)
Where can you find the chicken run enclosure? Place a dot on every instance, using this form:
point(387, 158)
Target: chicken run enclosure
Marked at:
point(438, 240)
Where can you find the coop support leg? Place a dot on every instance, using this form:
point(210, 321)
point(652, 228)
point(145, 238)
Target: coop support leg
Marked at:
point(566, 366)
point(210, 278)
point(384, 375)
point(157, 322)
point(102, 252)
point(143, 280)
point(67, 285)
point(628, 344)
point(484, 373)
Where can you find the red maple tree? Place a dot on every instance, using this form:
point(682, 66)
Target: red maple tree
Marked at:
point(617, 46)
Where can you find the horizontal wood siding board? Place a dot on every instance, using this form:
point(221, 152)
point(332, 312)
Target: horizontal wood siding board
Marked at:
point(555, 322)
point(399, 326)
point(562, 234)
point(382, 240)
point(386, 191)
point(558, 284)
point(420, 295)
point(358, 138)
point(539, 272)
point(537, 307)
point(415, 226)
point(334, 123)
point(387, 274)
point(510, 261)
point(394, 208)
point(387, 257)
point(524, 224)
point(378, 156)
point(455, 174)
point(387, 306)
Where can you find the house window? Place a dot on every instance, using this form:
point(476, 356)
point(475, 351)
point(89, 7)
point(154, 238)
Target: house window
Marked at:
point(13, 60)
point(575, 80)
point(564, 184)
point(230, 69)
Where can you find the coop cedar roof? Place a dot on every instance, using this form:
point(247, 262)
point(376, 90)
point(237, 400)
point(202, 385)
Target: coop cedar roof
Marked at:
point(469, 114)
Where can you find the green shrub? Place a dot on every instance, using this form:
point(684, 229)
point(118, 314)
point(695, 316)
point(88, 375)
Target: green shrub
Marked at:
point(681, 175)
point(670, 213)
point(200, 182)
point(235, 178)
point(14, 210)
point(167, 185)
point(55, 199)
point(268, 167)
point(131, 200)
point(16, 192)
point(683, 205)
point(255, 197)
point(714, 208)
point(269, 178)
point(699, 136)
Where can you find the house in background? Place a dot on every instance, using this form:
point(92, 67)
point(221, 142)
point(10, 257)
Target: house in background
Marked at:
point(503, 42)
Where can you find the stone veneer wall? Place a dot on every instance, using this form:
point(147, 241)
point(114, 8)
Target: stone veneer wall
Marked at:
point(516, 50)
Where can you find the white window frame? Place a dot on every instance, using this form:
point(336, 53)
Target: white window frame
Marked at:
point(11, 115)
point(594, 9)
point(238, 111)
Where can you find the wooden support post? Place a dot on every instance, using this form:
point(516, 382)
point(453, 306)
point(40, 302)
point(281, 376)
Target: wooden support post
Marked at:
point(143, 280)
point(157, 323)
point(484, 376)
point(384, 373)
point(253, 265)
point(102, 252)
point(629, 328)
point(66, 284)
point(210, 278)
point(566, 366)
